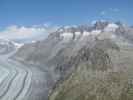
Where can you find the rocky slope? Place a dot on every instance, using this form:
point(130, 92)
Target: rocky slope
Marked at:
point(107, 75)
point(86, 62)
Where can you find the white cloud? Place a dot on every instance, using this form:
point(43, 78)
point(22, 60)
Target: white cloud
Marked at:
point(109, 11)
point(34, 32)
point(114, 9)
point(102, 12)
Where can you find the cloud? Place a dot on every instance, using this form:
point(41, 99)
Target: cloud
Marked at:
point(114, 9)
point(109, 11)
point(34, 32)
point(102, 12)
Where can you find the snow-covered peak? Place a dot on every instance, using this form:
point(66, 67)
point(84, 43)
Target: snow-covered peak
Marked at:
point(111, 27)
point(104, 29)
point(6, 42)
point(7, 46)
point(66, 36)
point(97, 21)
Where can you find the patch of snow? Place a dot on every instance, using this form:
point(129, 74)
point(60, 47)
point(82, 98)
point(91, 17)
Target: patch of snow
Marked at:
point(18, 45)
point(111, 27)
point(33, 41)
point(85, 33)
point(67, 36)
point(95, 32)
point(77, 35)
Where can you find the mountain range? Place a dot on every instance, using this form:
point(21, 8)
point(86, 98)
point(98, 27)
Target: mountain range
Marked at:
point(83, 62)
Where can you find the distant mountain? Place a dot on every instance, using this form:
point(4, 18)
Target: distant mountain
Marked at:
point(94, 59)
point(61, 46)
point(42, 51)
point(7, 46)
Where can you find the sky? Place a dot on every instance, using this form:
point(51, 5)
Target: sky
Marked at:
point(25, 14)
